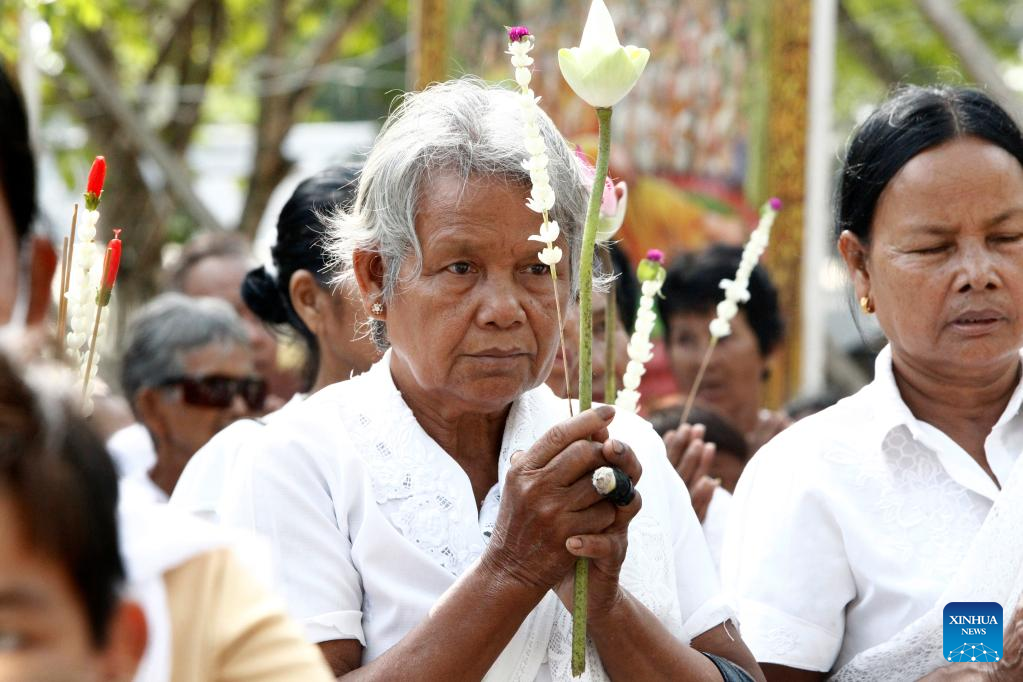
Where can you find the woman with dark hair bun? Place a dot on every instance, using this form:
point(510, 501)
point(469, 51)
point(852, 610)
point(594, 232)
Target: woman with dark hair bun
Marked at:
point(854, 528)
point(296, 296)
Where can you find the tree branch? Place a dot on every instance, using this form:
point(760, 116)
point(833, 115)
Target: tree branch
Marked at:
point(175, 173)
point(325, 46)
point(963, 39)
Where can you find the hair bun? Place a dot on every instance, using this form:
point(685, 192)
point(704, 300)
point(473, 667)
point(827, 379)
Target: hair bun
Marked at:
point(263, 297)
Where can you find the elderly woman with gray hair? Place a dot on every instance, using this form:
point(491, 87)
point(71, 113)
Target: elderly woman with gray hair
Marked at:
point(426, 516)
point(188, 372)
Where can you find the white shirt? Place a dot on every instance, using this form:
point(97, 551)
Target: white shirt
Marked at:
point(132, 450)
point(371, 521)
point(715, 523)
point(848, 525)
point(200, 489)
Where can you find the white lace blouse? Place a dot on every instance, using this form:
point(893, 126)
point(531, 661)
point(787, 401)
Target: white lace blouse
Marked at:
point(371, 522)
point(848, 525)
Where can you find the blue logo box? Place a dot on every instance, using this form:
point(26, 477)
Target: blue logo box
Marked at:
point(972, 632)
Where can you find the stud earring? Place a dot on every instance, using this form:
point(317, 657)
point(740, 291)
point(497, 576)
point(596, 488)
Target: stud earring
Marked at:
point(866, 305)
point(377, 308)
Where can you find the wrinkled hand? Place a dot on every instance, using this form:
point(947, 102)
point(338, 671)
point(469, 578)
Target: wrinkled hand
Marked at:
point(692, 459)
point(548, 498)
point(606, 549)
point(769, 425)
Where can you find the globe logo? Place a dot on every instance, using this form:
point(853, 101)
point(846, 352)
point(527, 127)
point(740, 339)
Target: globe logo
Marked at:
point(972, 632)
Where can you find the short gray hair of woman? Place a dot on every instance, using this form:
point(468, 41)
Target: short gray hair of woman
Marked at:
point(467, 127)
point(168, 327)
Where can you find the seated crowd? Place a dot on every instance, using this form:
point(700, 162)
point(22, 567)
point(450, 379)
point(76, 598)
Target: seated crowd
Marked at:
point(408, 498)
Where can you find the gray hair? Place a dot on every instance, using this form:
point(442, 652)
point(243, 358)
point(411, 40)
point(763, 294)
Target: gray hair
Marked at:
point(463, 126)
point(168, 327)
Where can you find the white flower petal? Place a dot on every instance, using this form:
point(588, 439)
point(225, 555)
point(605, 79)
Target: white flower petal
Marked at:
point(719, 328)
point(599, 30)
point(550, 255)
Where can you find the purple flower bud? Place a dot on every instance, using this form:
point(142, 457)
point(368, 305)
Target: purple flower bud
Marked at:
point(775, 204)
point(517, 33)
point(656, 255)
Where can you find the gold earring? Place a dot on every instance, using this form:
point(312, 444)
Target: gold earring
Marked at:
point(866, 305)
point(377, 308)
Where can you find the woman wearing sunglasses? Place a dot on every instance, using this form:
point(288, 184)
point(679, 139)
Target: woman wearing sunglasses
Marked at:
point(188, 372)
point(297, 299)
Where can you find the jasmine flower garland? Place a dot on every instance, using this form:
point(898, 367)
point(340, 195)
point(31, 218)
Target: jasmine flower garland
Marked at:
point(651, 275)
point(736, 291)
point(541, 195)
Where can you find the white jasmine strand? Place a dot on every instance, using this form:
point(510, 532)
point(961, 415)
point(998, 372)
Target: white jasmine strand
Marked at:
point(541, 195)
point(640, 349)
point(737, 290)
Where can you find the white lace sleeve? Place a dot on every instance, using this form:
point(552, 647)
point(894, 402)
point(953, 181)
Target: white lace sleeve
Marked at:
point(784, 562)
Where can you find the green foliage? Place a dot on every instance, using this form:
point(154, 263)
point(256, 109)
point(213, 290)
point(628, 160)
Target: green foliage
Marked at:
point(918, 54)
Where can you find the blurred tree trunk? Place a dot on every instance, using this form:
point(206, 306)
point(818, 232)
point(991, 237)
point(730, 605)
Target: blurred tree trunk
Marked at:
point(286, 91)
point(117, 127)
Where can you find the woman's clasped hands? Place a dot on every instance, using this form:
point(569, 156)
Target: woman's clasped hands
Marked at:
point(551, 514)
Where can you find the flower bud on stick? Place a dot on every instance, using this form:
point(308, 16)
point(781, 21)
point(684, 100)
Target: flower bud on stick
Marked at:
point(651, 275)
point(541, 199)
point(94, 186)
point(601, 71)
point(736, 292)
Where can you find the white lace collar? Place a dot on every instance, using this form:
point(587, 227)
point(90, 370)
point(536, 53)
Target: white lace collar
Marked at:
point(425, 493)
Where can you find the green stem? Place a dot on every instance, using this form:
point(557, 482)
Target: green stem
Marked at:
point(579, 604)
point(610, 332)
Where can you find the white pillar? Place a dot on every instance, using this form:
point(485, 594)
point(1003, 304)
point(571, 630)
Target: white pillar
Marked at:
point(817, 226)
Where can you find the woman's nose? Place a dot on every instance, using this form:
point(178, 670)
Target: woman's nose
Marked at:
point(978, 268)
point(500, 305)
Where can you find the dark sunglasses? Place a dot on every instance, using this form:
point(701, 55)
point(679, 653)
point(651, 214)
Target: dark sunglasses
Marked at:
point(220, 391)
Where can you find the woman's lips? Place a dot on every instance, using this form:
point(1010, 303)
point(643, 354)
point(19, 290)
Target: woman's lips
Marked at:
point(978, 323)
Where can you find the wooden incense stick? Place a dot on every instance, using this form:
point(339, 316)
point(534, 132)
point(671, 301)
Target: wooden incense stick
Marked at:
point(95, 333)
point(62, 303)
point(65, 284)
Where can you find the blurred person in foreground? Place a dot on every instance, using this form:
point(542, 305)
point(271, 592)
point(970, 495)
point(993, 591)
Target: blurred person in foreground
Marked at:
point(853, 528)
point(626, 292)
point(215, 264)
point(205, 618)
point(740, 364)
point(62, 613)
point(297, 298)
point(426, 515)
point(27, 261)
point(188, 372)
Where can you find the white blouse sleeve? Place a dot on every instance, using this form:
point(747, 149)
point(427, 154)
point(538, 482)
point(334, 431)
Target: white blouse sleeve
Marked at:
point(293, 489)
point(702, 604)
point(784, 561)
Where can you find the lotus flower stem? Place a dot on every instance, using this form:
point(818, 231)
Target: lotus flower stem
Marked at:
point(582, 566)
point(610, 327)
